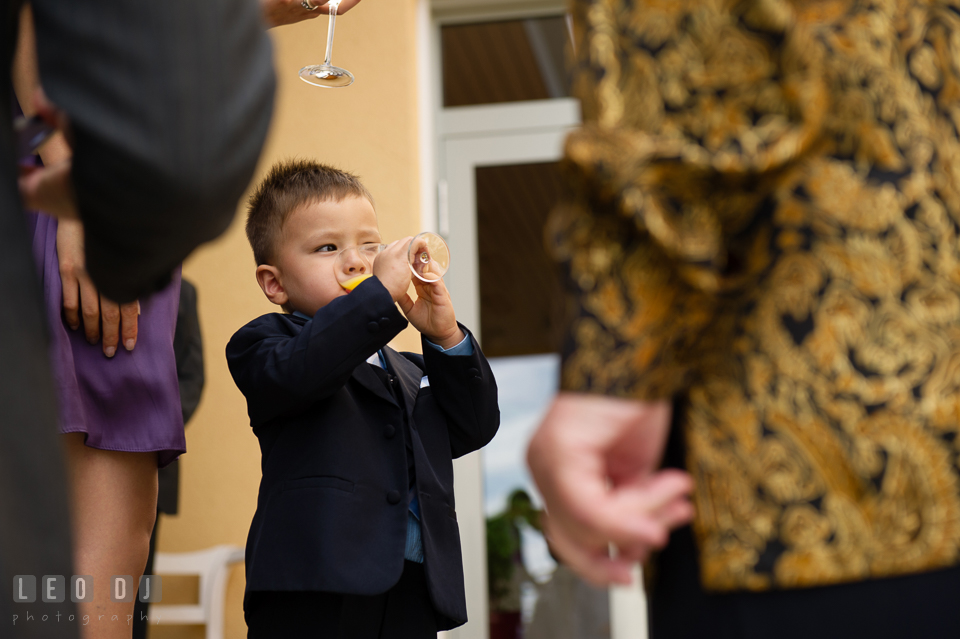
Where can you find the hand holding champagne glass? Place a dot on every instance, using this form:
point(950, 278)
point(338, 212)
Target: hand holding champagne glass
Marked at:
point(326, 75)
point(428, 257)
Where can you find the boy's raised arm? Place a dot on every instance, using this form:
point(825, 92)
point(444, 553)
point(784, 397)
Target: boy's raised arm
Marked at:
point(465, 389)
point(282, 374)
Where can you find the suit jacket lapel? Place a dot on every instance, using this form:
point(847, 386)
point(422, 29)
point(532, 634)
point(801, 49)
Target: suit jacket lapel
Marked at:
point(365, 376)
point(409, 375)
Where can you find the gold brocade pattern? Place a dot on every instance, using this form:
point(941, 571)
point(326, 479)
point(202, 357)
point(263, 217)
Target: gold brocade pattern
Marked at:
point(763, 224)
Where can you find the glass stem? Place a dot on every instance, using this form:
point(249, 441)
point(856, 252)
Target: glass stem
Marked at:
point(332, 5)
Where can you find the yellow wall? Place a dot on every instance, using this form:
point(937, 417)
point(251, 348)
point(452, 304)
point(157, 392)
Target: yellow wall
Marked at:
point(369, 128)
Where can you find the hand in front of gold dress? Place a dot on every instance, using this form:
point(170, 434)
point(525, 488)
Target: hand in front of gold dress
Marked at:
point(595, 460)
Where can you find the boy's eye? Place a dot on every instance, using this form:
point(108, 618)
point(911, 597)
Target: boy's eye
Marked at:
point(327, 248)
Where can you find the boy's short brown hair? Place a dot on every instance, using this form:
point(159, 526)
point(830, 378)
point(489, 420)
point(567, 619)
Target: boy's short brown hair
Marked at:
point(293, 183)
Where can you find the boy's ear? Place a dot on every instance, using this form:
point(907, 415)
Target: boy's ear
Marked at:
point(268, 277)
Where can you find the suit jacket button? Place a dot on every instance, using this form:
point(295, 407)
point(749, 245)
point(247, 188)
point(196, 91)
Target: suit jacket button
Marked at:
point(389, 431)
point(473, 372)
point(393, 497)
point(373, 327)
point(384, 322)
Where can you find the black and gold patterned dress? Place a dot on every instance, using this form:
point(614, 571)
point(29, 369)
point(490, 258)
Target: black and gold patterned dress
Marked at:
point(763, 225)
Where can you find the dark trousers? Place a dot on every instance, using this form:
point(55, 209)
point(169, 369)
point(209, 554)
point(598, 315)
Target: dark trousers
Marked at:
point(403, 612)
point(917, 606)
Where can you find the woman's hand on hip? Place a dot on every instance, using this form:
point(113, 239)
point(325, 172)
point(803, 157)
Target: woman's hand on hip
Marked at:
point(82, 303)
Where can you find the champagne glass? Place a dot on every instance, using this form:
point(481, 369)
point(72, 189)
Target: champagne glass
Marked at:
point(428, 257)
point(326, 75)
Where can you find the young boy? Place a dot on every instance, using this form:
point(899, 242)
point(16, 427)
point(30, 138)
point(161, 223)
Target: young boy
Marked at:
point(355, 533)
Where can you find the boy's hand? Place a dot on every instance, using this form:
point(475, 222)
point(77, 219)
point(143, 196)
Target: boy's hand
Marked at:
point(393, 270)
point(432, 314)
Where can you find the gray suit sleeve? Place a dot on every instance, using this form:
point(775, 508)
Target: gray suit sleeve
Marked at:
point(169, 104)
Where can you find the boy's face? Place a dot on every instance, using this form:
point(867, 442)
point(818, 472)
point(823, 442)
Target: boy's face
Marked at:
point(304, 278)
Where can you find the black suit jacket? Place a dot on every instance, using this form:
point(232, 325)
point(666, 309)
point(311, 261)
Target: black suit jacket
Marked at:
point(188, 352)
point(169, 104)
point(332, 509)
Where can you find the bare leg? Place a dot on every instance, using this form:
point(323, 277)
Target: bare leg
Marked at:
point(114, 505)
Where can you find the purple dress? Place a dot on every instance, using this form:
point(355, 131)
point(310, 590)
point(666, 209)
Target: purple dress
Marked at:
point(130, 402)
